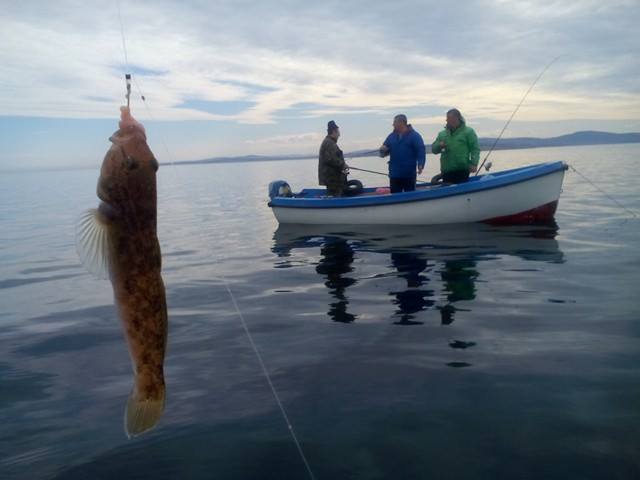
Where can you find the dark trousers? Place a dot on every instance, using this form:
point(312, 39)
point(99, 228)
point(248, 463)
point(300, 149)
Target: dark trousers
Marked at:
point(398, 185)
point(346, 189)
point(458, 176)
point(335, 190)
point(336, 186)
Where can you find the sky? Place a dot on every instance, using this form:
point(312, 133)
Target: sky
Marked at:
point(230, 78)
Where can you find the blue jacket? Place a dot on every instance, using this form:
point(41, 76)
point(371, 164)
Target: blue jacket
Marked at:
point(407, 152)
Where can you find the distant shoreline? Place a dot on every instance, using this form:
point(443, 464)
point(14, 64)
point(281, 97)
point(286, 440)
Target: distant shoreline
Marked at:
point(577, 139)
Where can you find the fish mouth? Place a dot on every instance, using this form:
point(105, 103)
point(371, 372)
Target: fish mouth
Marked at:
point(113, 138)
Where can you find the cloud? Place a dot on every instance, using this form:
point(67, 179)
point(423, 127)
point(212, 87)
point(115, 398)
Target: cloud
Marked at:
point(298, 139)
point(55, 63)
point(255, 63)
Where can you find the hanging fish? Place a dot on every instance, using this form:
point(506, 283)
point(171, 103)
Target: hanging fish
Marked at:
point(118, 241)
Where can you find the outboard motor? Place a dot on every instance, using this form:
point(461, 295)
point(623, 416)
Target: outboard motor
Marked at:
point(279, 188)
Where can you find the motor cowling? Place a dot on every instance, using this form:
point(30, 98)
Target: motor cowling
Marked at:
point(279, 188)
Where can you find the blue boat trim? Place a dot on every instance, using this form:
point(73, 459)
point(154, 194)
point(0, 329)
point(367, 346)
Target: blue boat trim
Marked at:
point(308, 198)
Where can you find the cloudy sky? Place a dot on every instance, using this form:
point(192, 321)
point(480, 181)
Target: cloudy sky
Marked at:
point(235, 77)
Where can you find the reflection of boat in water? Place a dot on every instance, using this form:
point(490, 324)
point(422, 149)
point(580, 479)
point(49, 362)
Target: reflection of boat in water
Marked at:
point(423, 257)
point(413, 268)
point(523, 195)
point(525, 241)
point(336, 259)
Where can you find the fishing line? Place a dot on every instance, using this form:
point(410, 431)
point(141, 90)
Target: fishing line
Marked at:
point(273, 388)
point(254, 347)
point(351, 156)
point(515, 111)
point(126, 58)
point(256, 351)
point(362, 154)
point(631, 212)
point(244, 324)
point(124, 43)
point(373, 171)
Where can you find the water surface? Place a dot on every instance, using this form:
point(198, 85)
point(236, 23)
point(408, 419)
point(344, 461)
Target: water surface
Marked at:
point(441, 352)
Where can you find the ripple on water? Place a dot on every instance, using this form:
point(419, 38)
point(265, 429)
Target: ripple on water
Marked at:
point(396, 352)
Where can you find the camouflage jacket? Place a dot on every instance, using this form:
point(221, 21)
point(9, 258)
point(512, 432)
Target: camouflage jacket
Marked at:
point(331, 164)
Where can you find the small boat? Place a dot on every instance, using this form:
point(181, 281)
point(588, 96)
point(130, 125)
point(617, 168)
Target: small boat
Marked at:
point(524, 195)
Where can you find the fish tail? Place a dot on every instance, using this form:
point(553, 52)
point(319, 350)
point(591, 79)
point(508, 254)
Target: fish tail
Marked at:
point(142, 414)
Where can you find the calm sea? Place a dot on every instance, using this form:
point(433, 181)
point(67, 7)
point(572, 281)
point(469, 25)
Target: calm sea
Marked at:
point(398, 353)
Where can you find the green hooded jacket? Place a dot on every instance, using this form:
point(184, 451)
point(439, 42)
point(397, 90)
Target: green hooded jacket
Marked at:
point(461, 150)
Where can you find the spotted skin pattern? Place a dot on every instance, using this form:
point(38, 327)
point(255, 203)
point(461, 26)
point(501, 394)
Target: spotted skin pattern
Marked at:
point(127, 188)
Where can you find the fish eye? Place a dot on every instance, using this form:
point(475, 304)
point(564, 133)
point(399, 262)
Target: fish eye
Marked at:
point(131, 163)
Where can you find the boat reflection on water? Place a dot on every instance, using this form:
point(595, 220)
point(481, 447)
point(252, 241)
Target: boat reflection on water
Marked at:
point(412, 268)
point(335, 262)
point(438, 264)
point(459, 279)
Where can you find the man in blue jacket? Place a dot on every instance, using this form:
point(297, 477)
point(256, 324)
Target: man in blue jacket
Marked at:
point(408, 155)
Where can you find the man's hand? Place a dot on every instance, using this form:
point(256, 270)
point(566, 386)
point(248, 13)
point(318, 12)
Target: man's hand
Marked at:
point(443, 145)
point(472, 169)
point(384, 151)
point(420, 168)
point(345, 170)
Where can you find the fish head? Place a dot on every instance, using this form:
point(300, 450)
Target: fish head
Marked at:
point(128, 174)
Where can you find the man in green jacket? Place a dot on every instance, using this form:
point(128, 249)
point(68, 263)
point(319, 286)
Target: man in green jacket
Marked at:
point(458, 147)
point(332, 169)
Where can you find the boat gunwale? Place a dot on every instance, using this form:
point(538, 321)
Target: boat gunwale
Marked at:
point(502, 179)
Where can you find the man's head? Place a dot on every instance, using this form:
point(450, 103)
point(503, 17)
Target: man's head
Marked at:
point(454, 119)
point(333, 130)
point(400, 123)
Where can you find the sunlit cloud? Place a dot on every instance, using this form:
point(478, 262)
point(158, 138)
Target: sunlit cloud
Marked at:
point(252, 65)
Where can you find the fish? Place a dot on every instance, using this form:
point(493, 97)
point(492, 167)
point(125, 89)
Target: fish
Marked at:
point(119, 241)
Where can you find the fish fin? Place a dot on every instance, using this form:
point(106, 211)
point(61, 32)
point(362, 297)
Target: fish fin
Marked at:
point(142, 415)
point(92, 243)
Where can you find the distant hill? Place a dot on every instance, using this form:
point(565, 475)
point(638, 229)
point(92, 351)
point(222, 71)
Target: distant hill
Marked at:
point(572, 139)
point(244, 158)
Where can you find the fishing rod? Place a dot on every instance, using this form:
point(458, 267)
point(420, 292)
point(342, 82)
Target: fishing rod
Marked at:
point(368, 171)
point(515, 111)
point(362, 154)
point(364, 169)
point(377, 173)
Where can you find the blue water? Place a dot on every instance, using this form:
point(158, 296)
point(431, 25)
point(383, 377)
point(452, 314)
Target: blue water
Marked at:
point(441, 352)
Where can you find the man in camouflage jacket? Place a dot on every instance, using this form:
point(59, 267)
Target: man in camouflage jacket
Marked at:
point(332, 169)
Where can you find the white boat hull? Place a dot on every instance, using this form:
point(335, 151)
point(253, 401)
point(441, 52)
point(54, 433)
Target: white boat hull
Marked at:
point(480, 206)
